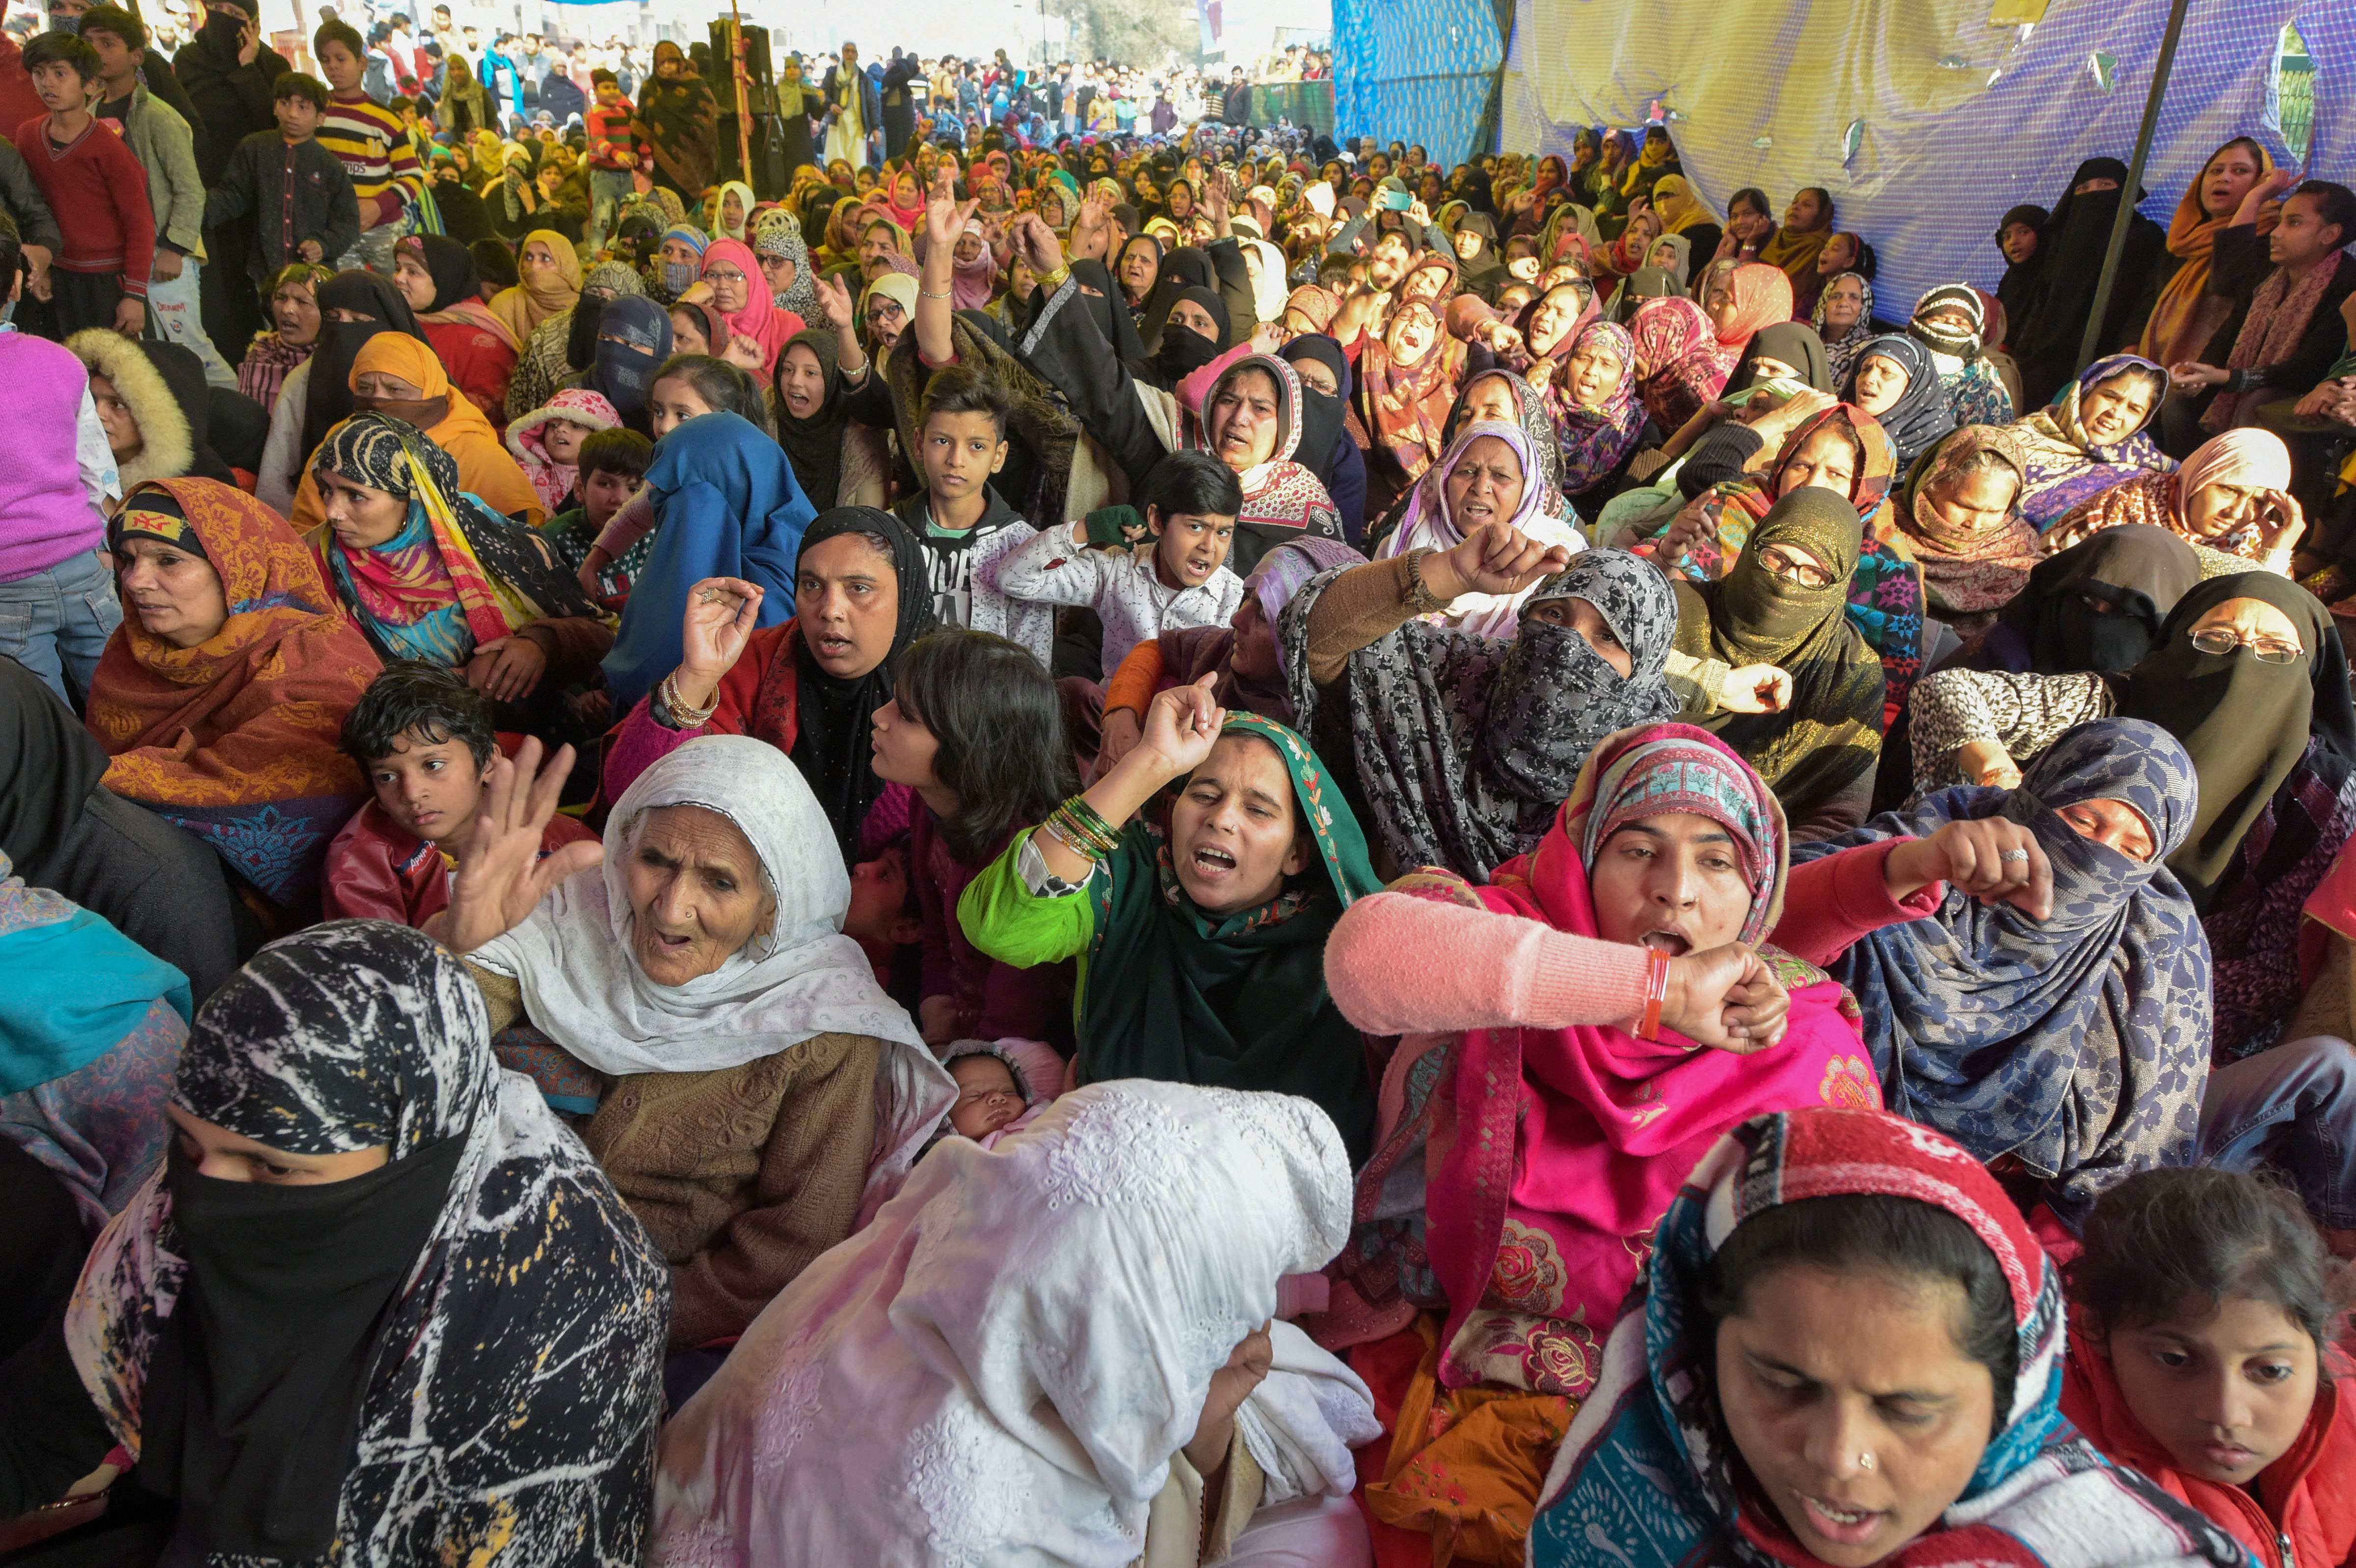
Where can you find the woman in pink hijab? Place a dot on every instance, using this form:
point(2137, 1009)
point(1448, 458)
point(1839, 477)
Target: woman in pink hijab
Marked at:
point(741, 294)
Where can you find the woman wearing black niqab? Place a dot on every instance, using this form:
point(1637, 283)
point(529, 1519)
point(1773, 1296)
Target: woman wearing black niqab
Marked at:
point(349, 1320)
point(2073, 245)
point(376, 305)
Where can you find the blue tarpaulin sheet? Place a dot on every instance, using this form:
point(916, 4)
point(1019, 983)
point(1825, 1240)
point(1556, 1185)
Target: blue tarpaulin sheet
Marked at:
point(1953, 120)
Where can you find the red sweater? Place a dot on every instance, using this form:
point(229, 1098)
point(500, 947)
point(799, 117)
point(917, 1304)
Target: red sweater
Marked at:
point(376, 871)
point(99, 192)
point(611, 126)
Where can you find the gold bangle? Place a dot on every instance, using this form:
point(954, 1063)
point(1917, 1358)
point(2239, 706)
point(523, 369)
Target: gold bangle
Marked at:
point(1420, 600)
point(1056, 278)
point(683, 717)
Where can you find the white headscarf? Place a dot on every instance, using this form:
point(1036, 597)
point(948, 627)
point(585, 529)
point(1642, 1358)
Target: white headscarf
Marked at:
point(1268, 289)
point(803, 977)
point(1427, 526)
point(999, 1370)
point(572, 955)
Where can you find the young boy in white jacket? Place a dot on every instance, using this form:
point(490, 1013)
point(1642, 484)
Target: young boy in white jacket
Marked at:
point(1190, 501)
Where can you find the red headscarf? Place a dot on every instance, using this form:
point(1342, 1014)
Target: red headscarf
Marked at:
point(1405, 406)
point(1677, 365)
point(763, 319)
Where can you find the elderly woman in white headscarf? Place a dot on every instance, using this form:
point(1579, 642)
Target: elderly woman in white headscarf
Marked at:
point(1058, 1350)
point(742, 1075)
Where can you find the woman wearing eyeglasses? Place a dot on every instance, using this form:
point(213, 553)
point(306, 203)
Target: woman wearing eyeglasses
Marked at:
point(1784, 603)
point(2249, 674)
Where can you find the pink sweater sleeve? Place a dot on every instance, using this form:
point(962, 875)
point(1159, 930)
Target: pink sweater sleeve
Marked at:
point(1398, 963)
point(629, 525)
point(637, 744)
point(1198, 387)
point(1829, 903)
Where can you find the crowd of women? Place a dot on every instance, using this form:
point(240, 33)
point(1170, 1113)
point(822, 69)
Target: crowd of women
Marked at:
point(1182, 850)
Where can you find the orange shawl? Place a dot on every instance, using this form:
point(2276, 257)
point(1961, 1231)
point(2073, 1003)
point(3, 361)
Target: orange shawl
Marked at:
point(239, 739)
point(2187, 316)
point(485, 467)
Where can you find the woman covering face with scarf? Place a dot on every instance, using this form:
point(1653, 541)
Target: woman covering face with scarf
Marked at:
point(634, 338)
point(1678, 369)
point(1952, 322)
point(2267, 721)
point(728, 507)
point(297, 1355)
point(2074, 1045)
point(2095, 606)
point(1784, 603)
point(1465, 745)
point(400, 377)
point(353, 308)
point(551, 283)
point(564, 346)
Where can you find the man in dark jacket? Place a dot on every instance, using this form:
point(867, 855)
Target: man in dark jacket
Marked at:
point(899, 103)
point(1235, 107)
point(225, 73)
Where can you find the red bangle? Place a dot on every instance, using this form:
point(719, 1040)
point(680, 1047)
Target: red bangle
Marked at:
point(1656, 993)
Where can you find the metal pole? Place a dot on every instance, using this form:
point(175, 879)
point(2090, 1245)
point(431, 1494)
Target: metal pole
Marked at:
point(2091, 340)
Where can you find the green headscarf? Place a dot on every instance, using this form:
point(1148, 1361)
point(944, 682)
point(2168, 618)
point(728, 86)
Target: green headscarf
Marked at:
point(1832, 733)
point(1235, 1001)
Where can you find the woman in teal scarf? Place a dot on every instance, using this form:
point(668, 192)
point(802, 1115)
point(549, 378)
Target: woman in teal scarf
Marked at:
point(1201, 937)
point(91, 1029)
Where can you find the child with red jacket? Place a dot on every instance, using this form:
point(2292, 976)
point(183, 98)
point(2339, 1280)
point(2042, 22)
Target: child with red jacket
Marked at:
point(2204, 1311)
point(423, 738)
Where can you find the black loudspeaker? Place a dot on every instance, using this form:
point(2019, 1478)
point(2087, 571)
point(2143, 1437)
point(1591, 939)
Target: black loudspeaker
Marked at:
point(770, 179)
point(761, 86)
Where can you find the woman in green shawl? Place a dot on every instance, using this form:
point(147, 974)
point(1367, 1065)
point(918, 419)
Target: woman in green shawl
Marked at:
point(1784, 603)
point(1201, 937)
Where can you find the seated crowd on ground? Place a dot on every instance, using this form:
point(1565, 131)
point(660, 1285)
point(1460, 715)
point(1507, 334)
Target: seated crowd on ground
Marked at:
point(1114, 844)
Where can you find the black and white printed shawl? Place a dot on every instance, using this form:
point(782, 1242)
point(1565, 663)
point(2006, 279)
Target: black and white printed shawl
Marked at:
point(517, 1384)
point(1466, 746)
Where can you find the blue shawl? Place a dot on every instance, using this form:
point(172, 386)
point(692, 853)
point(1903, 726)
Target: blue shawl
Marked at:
point(728, 506)
point(2079, 1044)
